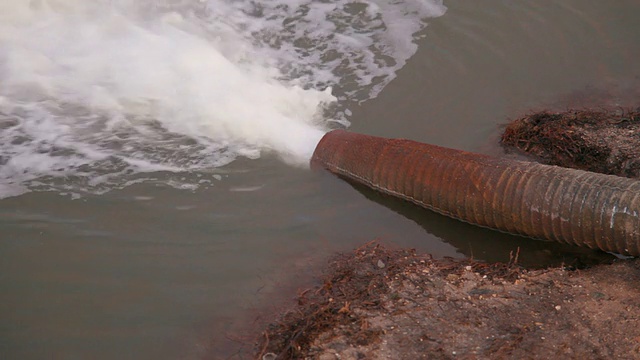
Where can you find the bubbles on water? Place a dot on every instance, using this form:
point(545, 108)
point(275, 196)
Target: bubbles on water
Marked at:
point(354, 46)
point(99, 95)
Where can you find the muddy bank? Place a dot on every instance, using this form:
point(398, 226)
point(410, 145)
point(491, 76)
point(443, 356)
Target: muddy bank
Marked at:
point(377, 303)
point(600, 141)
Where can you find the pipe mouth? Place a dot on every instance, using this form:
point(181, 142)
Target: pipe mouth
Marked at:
point(318, 158)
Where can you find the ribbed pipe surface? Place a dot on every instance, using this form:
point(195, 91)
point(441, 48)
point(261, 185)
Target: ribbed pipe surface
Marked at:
point(524, 198)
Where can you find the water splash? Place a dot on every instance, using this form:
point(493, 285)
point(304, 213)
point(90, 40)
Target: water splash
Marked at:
point(98, 95)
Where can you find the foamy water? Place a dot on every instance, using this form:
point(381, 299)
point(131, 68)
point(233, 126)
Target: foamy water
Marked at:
point(96, 95)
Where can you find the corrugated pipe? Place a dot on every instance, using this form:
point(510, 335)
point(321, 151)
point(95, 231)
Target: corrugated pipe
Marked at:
point(523, 198)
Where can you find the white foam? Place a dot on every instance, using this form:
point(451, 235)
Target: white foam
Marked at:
point(96, 94)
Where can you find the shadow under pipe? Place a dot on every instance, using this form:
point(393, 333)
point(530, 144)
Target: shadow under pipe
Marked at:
point(523, 198)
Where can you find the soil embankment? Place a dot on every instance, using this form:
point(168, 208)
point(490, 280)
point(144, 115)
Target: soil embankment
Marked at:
point(607, 142)
point(377, 303)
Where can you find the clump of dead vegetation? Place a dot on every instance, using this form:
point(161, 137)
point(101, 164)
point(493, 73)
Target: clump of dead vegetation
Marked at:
point(358, 283)
point(607, 142)
point(378, 303)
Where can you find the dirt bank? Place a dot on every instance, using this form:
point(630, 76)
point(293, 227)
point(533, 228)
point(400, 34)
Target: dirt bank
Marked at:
point(607, 142)
point(377, 303)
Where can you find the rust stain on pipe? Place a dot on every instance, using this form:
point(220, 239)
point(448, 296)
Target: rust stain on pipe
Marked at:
point(523, 198)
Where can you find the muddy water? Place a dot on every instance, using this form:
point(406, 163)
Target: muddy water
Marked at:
point(152, 271)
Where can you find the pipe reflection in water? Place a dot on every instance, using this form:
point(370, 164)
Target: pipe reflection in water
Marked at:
point(486, 244)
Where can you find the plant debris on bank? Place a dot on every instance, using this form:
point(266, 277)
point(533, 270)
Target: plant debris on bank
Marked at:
point(378, 303)
point(600, 141)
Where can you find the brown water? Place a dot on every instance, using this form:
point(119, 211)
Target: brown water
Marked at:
point(153, 272)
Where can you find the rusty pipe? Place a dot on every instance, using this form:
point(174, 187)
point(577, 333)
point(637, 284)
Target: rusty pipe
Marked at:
point(523, 198)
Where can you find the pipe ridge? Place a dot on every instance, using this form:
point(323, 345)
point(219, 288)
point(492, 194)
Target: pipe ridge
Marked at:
point(496, 206)
point(531, 167)
point(557, 171)
point(394, 193)
point(489, 174)
point(602, 203)
point(579, 185)
point(439, 198)
point(611, 218)
point(447, 197)
point(587, 218)
point(629, 244)
point(405, 173)
point(468, 205)
point(524, 203)
point(518, 196)
point(422, 168)
point(535, 202)
point(505, 201)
